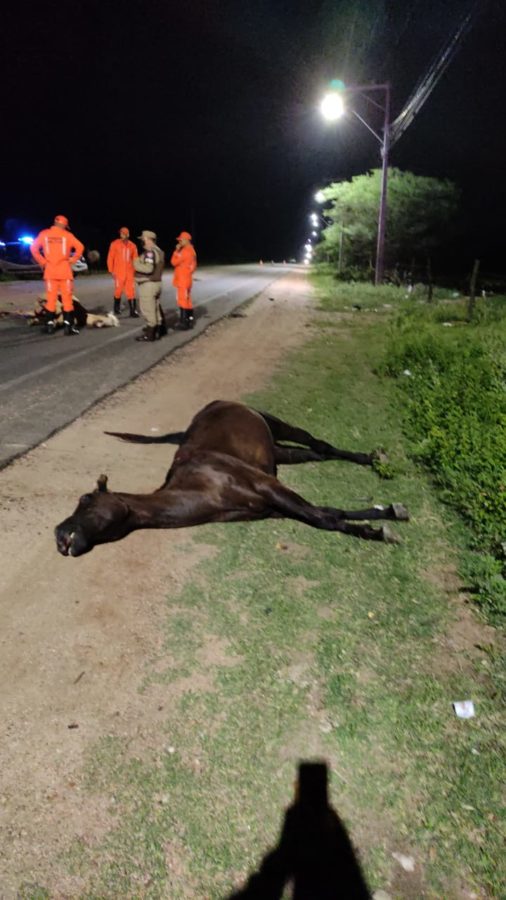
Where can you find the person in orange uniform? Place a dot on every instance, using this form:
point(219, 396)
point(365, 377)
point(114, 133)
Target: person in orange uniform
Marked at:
point(56, 249)
point(120, 263)
point(184, 260)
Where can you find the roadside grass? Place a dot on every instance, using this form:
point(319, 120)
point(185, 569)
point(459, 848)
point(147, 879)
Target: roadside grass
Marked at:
point(337, 295)
point(291, 644)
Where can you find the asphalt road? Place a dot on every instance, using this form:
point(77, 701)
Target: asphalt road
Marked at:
point(47, 382)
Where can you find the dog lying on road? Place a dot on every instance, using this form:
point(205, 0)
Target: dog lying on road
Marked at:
point(83, 317)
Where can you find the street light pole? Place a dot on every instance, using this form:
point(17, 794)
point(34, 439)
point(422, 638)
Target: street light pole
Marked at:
point(382, 217)
point(332, 108)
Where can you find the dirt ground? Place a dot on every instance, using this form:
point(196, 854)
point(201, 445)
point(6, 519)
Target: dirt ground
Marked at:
point(75, 635)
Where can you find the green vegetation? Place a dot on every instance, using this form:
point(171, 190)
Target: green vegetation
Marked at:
point(420, 213)
point(452, 375)
point(290, 643)
point(456, 420)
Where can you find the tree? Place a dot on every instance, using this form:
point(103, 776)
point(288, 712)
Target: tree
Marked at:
point(420, 212)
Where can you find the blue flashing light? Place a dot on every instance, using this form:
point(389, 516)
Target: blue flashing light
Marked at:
point(26, 239)
point(337, 85)
point(2, 243)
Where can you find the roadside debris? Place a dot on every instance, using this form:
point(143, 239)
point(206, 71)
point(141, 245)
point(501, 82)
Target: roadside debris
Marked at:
point(408, 373)
point(464, 709)
point(406, 862)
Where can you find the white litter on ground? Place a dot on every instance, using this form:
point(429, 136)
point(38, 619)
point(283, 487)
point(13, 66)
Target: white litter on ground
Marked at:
point(464, 709)
point(406, 862)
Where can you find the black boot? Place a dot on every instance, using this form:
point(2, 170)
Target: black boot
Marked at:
point(190, 319)
point(117, 306)
point(50, 323)
point(69, 323)
point(148, 335)
point(162, 328)
point(133, 309)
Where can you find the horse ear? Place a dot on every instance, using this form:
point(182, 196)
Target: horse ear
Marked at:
point(102, 484)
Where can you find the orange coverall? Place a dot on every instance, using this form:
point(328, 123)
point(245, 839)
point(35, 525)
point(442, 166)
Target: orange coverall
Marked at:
point(185, 263)
point(56, 250)
point(120, 263)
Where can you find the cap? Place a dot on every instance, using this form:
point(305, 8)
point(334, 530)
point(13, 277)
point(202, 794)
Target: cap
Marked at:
point(148, 234)
point(184, 236)
point(61, 220)
point(125, 231)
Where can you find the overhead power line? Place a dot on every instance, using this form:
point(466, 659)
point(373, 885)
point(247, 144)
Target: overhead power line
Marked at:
point(437, 68)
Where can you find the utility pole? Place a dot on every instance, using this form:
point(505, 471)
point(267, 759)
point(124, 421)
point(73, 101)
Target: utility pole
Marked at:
point(384, 142)
point(382, 219)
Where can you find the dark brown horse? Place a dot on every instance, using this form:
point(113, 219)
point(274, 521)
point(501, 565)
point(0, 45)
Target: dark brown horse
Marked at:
point(224, 471)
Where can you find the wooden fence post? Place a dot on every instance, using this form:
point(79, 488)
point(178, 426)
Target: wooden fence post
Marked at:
point(472, 291)
point(430, 286)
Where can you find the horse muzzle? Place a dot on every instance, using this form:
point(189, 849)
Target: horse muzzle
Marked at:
point(70, 542)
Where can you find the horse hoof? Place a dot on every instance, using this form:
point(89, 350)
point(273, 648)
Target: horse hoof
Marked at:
point(400, 512)
point(379, 457)
point(389, 536)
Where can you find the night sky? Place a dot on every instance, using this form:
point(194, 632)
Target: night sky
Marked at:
point(204, 115)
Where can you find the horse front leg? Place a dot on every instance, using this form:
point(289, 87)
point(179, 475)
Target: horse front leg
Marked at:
point(395, 512)
point(284, 503)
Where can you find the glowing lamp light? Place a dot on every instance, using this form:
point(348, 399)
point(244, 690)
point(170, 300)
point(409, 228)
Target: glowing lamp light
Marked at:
point(314, 233)
point(332, 106)
point(26, 239)
point(319, 197)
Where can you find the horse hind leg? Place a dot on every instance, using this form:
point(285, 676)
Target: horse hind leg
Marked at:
point(290, 456)
point(282, 431)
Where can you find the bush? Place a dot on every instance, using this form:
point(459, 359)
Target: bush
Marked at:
point(456, 419)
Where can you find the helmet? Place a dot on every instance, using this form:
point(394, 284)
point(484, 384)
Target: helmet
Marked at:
point(61, 220)
point(184, 236)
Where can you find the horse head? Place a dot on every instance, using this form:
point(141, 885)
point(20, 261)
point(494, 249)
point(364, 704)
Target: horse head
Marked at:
point(99, 518)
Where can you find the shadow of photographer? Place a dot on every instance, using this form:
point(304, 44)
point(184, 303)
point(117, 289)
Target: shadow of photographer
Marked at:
point(314, 854)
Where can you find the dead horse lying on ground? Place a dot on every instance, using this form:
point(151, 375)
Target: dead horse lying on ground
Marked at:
point(224, 471)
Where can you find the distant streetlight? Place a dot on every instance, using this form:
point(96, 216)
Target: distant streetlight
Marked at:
point(314, 233)
point(329, 104)
point(319, 197)
point(332, 106)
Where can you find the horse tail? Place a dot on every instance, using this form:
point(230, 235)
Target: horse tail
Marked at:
point(176, 437)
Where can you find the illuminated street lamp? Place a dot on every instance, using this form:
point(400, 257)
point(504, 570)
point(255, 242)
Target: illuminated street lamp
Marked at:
point(332, 106)
point(330, 109)
point(319, 197)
